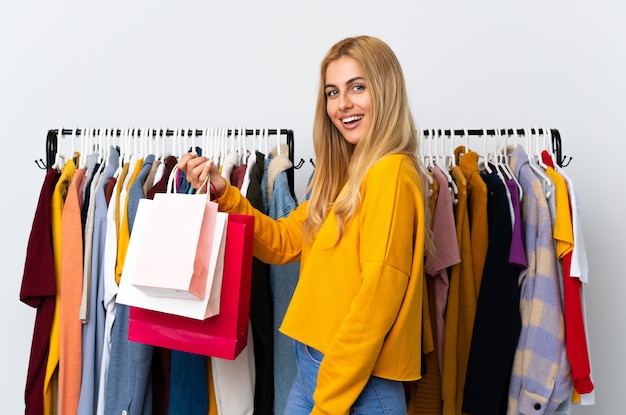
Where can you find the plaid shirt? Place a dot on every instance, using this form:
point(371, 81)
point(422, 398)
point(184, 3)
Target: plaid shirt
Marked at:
point(541, 377)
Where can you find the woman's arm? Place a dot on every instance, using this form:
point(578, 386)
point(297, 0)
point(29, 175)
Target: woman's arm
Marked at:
point(275, 241)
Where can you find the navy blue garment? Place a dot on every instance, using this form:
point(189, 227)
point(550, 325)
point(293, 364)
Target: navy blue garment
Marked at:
point(188, 384)
point(497, 324)
point(283, 280)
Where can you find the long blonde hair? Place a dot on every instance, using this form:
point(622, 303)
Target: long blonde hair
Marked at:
point(391, 131)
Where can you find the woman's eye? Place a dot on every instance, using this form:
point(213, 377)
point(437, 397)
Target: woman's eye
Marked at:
point(331, 93)
point(358, 88)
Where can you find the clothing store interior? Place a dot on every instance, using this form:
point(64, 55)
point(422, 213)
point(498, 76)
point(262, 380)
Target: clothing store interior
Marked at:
point(489, 84)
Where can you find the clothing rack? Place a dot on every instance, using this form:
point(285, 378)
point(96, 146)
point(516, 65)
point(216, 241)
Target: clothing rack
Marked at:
point(53, 134)
point(561, 159)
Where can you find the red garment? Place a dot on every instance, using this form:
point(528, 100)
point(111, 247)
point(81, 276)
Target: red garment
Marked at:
point(575, 337)
point(238, 175)
point(38, 290)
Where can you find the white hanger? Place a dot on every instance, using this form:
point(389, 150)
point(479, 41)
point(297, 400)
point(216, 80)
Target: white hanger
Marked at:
point(59, 158)
point(242, 151)
point(449, 154)
point(550, 148)
point(278, 141)
point(146, 148)
point(124, 144)
point(422, 163)
point(485, 154)
point(466, 148)
point(223, 134)
point(507, 166)
point(79, 151)
point(500, 156)
point(212, 145)
point(176, 147)
point(266, 141)
point(255, 135)
point(539, 146)
point(454, 190)
point(547, 183)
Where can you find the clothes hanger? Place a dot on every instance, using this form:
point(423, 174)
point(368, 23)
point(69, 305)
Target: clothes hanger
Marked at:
point(449, 153)
point(205, 143)
point(501, 157)
point(266, 134)
point(148, 142)
point(243, 151)
point(428, 154)
point(278, 141)
point(485, 155)
point(539, 147)
point(548, 149)
point(466, 147)
point(547, 183)
point(454, 190)
point(422, 162)
point(59, 158)
point(507, 165)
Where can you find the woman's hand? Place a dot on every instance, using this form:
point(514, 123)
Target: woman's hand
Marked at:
point(197, 168)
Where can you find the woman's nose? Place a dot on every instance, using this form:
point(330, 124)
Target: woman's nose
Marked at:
point(345, 102)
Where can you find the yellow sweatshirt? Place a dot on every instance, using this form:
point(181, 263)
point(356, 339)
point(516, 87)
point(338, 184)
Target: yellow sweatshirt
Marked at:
point(359, 301)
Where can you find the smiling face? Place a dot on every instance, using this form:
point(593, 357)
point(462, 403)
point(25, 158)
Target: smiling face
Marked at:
point(348, 100)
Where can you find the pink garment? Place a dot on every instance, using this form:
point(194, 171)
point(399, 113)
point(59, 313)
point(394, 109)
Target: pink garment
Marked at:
point(446, 253)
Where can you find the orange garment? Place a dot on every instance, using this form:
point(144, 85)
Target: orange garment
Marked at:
point(476, 211)
point(70, 348)
point(461, 307)
point(58, 200)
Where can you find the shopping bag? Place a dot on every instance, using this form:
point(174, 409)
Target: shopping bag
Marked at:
point(174, 256)
point(131, 294)
point(224, 335)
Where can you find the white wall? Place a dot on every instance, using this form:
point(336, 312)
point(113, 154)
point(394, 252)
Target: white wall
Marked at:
point(196, 64)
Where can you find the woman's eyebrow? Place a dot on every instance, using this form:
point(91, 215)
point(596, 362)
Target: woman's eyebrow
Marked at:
point(349, 81)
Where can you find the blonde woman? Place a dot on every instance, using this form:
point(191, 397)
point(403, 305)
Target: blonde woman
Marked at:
point(356, 313)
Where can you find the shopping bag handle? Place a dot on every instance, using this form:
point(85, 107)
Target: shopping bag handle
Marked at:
point(172, 180)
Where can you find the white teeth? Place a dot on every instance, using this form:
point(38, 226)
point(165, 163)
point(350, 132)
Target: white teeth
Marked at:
point(351, 119)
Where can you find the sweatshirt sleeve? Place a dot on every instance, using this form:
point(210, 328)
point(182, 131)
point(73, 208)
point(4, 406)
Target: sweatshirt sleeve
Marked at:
point(275, 241)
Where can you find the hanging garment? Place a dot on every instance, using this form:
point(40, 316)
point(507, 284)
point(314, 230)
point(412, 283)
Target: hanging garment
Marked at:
point(39, 290)
point(540, 376)
point(161, 357)
point(461, 307)
point(497, 322)
point(254, 393)
point(70, 332)
point(261, 305)
point(88, 312)
point(92, 176)
point(278, 203)
point(128, 385)
point(93, 331)
point(447, 254)
point(426, 394)
point(58, 200)
point(476, 208)
point(188, 384)
point(579, 271)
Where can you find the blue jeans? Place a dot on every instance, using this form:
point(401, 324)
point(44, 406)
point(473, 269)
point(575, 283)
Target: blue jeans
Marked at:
point(379, 397)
